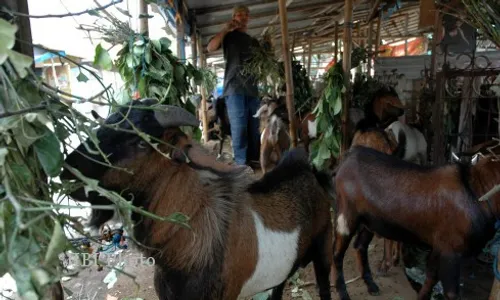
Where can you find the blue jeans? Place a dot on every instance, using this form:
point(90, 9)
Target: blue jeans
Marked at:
point(244, 127)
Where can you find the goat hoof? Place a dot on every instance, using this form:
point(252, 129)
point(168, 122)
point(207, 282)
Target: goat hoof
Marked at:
point(373, 289)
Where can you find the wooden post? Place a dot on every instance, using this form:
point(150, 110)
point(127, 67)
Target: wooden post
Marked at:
point(143, 22)
point(370, 48)
point(407, 20)
point(293, 43)
point(336, 50)
point(194, 46)
point(437, 29)
point(309, 58)
point(288, 72)
point(377, 36)
point(346, 59)
point(204, 117)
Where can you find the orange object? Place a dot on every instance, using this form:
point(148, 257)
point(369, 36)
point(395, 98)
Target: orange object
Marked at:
point(416, 47)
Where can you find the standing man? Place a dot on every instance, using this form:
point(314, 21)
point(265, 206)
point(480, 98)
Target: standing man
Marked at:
point(240, 92)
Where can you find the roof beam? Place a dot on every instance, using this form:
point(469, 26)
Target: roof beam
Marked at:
point(225, 7)
point(297, 8)
point(296, 20)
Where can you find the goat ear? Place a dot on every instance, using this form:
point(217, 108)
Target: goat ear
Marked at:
point(97, 117)
point(454, 157)
point(262, 109)
point(475, 159)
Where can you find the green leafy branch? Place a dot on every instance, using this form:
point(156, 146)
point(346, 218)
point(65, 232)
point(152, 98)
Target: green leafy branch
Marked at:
point(327, 113)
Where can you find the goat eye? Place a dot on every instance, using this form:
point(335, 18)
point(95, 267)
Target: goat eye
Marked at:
point(142, 144)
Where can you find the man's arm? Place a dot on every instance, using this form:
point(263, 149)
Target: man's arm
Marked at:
point(216, 41)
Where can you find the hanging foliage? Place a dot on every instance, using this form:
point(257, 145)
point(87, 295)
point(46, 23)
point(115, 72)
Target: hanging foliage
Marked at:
point(327, 113)
point(363, 89)
point(485, 16)
point(302, 87)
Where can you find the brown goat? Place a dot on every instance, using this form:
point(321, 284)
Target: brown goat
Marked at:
point(246, 235)
point(406, 202)
point(385, 142)
point(274, 138)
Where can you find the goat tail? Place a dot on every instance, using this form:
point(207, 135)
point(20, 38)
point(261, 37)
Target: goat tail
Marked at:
point(325, 180)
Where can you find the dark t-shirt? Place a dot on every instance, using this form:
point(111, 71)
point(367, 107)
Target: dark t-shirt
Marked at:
point(237, 47)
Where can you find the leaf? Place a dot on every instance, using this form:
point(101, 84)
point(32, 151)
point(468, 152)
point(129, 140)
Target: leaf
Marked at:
point(156, 45)
point(125, 12)
point(142, 16)
point(102, 58)
point(49, 154)
point(20, 62)
point(147, 54)
point(40, 278)
point(179, 218)
point(323, 152)
point(82, 78)
point(8, 38)
point(165, 43)
point(94, 13)
point(337, 106)
point(3, 154)
point(57, 244)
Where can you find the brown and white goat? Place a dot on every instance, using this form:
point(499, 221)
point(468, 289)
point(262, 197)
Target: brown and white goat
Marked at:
point(274, 137)
point(246, 235)
point(413, 204)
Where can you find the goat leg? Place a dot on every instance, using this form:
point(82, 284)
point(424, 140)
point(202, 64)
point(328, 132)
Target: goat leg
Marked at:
point(431, 276)
point(361, 244)
point(399, 254)
point(386, 263)
point(322, 263)
point(343, 237)
point(449, 274)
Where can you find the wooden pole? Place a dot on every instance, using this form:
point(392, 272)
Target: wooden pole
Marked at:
point(336, 50)
point(437, 29)
point(194, 45)
point(407, 21)
point(370, 48)
point(346, 59)
point(288, 72)
point(143, 22)
point(204, 117)
point(377, 36)
point(309, 58)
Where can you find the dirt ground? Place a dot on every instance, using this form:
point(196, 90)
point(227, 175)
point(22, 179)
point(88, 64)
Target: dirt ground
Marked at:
point(88, 285)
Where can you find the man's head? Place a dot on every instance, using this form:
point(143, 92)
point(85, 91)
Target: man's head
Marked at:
point(241, 14)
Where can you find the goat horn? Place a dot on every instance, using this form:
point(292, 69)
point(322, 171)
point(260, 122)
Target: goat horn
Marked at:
point(175, 116)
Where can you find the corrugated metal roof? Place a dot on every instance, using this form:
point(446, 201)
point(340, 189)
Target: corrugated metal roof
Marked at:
point(306, 19)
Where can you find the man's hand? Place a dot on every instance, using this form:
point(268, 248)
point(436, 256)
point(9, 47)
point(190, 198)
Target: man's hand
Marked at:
point(232, 25)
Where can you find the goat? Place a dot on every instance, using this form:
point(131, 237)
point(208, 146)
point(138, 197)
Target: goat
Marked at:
point(383, 141)
point(246, 235)
point(415, 145)
point(274, 138)
point(414, 204)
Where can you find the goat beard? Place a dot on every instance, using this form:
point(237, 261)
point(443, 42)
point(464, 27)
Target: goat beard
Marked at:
point(198, 158)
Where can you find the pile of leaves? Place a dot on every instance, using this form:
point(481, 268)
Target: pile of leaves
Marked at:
point(302, 87)
point(36, 121)
point(363, 89)
point(148, 67)
point(328, 111)
point(264, 66)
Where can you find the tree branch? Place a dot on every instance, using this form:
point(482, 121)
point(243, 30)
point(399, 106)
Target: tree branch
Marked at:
point(23, 111)
point(113, 2)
